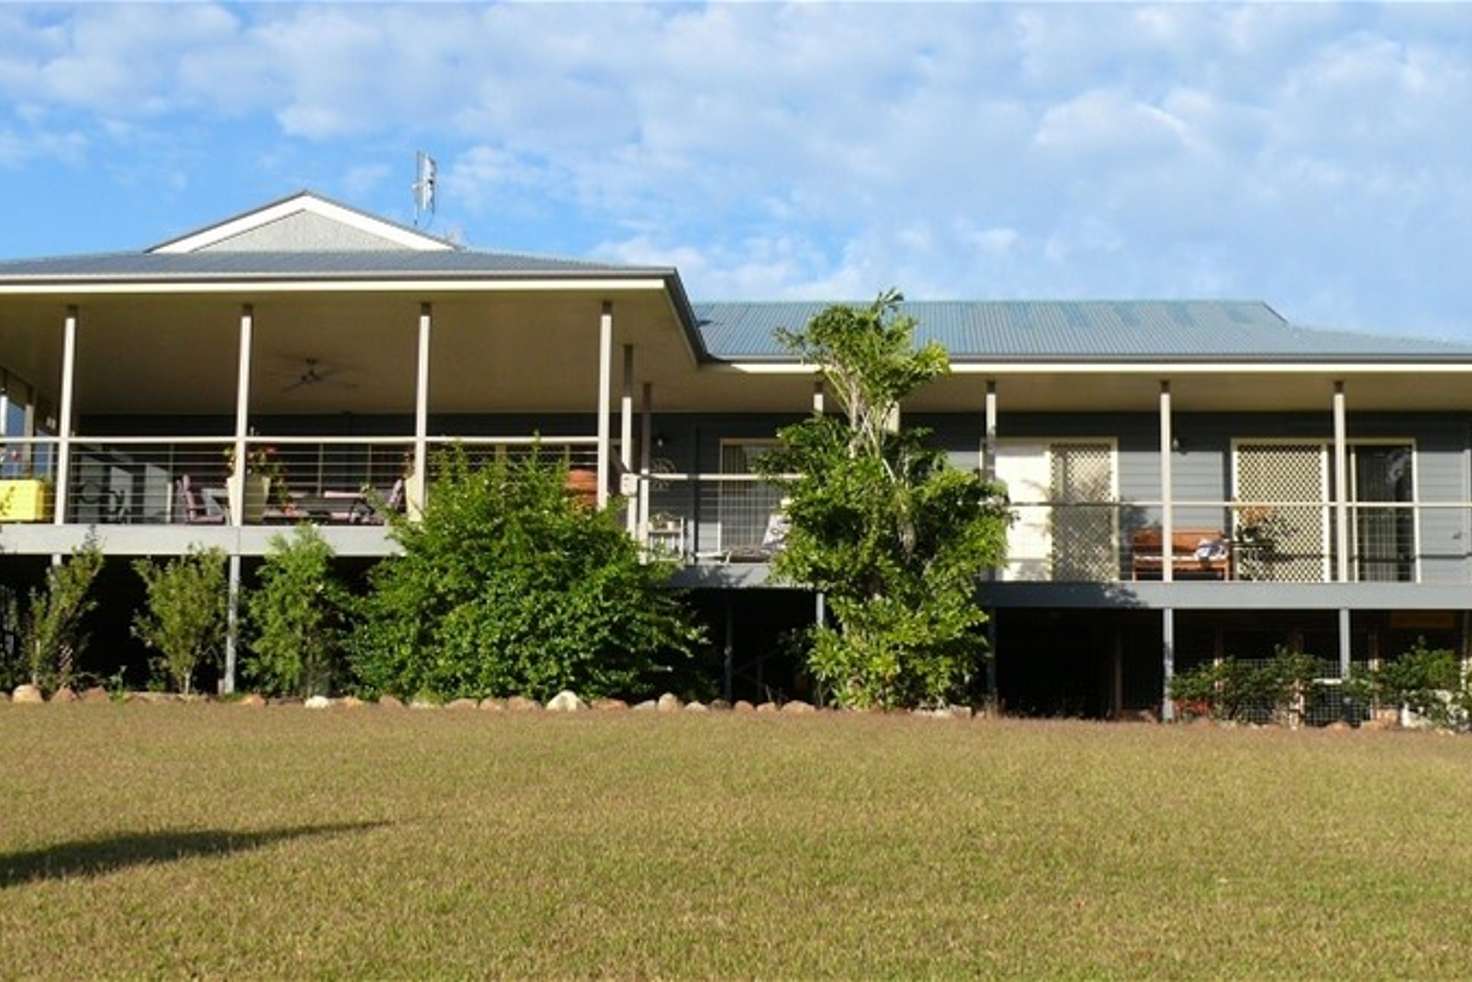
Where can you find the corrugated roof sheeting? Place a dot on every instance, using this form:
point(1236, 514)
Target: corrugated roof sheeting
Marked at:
point(1060, 329)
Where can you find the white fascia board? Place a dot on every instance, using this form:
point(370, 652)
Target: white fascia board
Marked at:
point(309, 203)
point(1155, 369)
point(264, 286)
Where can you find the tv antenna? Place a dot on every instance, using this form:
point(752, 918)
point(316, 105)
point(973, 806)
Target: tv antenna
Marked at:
point(425, 171)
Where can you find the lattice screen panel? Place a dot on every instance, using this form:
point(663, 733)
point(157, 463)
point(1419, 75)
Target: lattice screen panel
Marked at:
point(1282, 543)
point(1084, 538)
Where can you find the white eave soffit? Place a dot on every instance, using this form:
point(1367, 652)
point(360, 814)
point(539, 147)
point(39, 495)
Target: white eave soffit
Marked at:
point(397, 234)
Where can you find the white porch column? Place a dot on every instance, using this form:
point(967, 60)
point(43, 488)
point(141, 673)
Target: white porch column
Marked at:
point(818, 397)
point(1168, 661)
point(646, 451)
point(232, 627)
point(242, 425)
point(626, 439)
point(1341, 488)
point(419, 483)
point(605, 394)
point(66, 412)
point(989, 434)
point(1167, 553)
point(1167, 494)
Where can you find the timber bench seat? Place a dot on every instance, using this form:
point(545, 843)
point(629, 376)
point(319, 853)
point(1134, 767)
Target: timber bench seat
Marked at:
point(1195, 552)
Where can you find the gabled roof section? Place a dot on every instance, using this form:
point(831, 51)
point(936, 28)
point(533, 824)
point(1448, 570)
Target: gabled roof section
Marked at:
point(1079, 331)
point(302, 223)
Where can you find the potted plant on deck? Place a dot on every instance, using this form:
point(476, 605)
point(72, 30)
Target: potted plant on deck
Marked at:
point(265, 481)
point(1255, 539)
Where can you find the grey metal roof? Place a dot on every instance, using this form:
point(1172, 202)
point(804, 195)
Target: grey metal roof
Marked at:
point(1076, 330)
point(304, 265)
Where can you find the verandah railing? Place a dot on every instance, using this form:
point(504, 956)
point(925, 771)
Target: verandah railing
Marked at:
point(187, 480)
point(710, 517)
point(700, 517)
point(738, 517)
point(1284, 541)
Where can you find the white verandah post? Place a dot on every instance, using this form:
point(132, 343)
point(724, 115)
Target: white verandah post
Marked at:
point(989, 473)
point(1341, 529)
point(64, 421)
point(1167, 553)
point(419, 481)
point(626, 442)
point(1341, 487)
point(242, 416)
point(646, 450)
point(820, 599)
point(237, 493)
point(605, 394)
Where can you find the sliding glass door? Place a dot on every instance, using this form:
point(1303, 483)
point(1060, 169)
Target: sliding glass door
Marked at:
point(1382, 539)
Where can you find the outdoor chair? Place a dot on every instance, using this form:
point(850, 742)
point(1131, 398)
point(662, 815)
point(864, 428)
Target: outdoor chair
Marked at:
point(194, 508)
point(362, 512)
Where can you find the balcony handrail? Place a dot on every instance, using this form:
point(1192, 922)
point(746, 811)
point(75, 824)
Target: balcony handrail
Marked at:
point(300, 439)
point(1184, 503)
point(679, 476)
point(523, 441)
point(312, 441)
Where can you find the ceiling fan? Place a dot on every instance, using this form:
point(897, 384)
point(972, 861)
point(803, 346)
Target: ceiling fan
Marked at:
point(314, 372)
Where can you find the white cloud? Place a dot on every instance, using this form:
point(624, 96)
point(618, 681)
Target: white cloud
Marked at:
point(1108, 121)
point(18, 149)
point(363, 178)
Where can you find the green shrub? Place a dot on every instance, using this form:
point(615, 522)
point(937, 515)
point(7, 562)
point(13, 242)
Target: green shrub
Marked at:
point(297, 617)
point(1427, 681)
point(185, 617)
point(15, 668)
point(507, 585)
point(1252, 691)
point(51, 633)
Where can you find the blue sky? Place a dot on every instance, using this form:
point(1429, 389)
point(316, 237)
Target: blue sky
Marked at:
point(1316, 156)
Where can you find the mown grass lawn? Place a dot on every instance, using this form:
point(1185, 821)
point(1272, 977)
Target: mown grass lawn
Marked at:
point(221, 840)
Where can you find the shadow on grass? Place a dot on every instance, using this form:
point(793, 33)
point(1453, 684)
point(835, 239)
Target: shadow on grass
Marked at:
point(97, 857)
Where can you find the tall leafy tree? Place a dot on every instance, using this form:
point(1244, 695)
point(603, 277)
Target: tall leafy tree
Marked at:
point(510, 585)
point(880, 522)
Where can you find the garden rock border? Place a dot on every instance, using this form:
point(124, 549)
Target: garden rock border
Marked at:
point(566, 701)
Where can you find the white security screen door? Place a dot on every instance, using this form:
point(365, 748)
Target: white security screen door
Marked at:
point(1025, 469)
